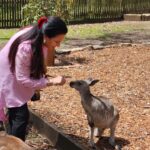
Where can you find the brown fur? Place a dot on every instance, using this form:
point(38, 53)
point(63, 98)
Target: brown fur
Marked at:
point(8, 142)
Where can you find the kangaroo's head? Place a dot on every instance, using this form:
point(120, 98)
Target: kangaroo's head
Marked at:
point(82, 85)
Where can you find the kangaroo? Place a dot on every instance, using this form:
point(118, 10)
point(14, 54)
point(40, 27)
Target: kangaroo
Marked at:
point(9, 142)
point(101, 113)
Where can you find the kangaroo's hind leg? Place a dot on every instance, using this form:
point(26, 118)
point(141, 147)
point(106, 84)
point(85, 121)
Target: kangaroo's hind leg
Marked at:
point(112, 131)
point(98, 132)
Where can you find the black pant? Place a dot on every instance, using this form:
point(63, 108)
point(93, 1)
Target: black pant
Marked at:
point(18, 121)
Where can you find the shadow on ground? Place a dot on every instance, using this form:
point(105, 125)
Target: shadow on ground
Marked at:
point(102, 143)
point(141, 36)
point(66, 60)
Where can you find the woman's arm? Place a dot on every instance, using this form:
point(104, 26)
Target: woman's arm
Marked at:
point(2, 115)
point(22, 68)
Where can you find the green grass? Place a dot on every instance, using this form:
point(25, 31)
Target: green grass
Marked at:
point(91, 31)
point(5, 34)
point(104, 30)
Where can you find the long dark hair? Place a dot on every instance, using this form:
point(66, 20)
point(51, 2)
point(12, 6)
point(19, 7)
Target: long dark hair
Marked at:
point(51, 28)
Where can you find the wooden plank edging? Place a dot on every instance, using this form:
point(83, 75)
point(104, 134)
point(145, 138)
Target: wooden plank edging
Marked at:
point(53, 134)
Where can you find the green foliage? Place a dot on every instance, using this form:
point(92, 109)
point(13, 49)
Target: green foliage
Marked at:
point(63, 9)
point(35, 9)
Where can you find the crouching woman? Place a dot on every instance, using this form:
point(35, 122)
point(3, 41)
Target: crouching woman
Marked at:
point(22, 69)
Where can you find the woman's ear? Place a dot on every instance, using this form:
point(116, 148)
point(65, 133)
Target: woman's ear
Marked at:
point(44, 39)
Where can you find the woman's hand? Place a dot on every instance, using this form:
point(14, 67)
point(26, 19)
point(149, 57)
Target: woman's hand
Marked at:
point(59, 80)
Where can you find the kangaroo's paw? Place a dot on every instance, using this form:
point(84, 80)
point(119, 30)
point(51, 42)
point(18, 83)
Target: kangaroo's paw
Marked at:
point(112, 141)
point(92, 144)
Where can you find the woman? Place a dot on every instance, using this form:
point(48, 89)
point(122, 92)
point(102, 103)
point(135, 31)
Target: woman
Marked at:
point(22, 70)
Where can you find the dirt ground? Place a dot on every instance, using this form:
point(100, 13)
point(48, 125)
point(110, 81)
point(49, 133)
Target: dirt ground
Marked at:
point(37, 141)
point(124, 73)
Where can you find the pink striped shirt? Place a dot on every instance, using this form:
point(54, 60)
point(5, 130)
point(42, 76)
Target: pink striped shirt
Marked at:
point(16, 89)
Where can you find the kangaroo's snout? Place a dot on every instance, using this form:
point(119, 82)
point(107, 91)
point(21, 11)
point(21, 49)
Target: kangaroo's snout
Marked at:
point(71, 84)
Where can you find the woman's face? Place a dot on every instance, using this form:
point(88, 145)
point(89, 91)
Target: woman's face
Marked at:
point(54, 41)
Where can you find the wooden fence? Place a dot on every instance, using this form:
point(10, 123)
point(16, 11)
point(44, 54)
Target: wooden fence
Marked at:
point(82, 10)
point(10, 13)
point(106, 10)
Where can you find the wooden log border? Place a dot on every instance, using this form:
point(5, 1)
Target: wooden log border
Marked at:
point(56, 137)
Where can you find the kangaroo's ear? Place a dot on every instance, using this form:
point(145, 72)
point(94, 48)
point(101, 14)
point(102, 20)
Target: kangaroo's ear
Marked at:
point(94, 82)
point(91, 82)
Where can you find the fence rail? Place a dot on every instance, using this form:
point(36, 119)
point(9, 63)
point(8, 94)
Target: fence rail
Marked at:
point(81, 11)
point(10, 13)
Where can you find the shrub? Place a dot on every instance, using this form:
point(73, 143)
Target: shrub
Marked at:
point(34, 9)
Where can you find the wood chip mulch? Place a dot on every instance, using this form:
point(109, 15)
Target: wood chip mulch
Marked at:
point(124, 74)
point(37, 141)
